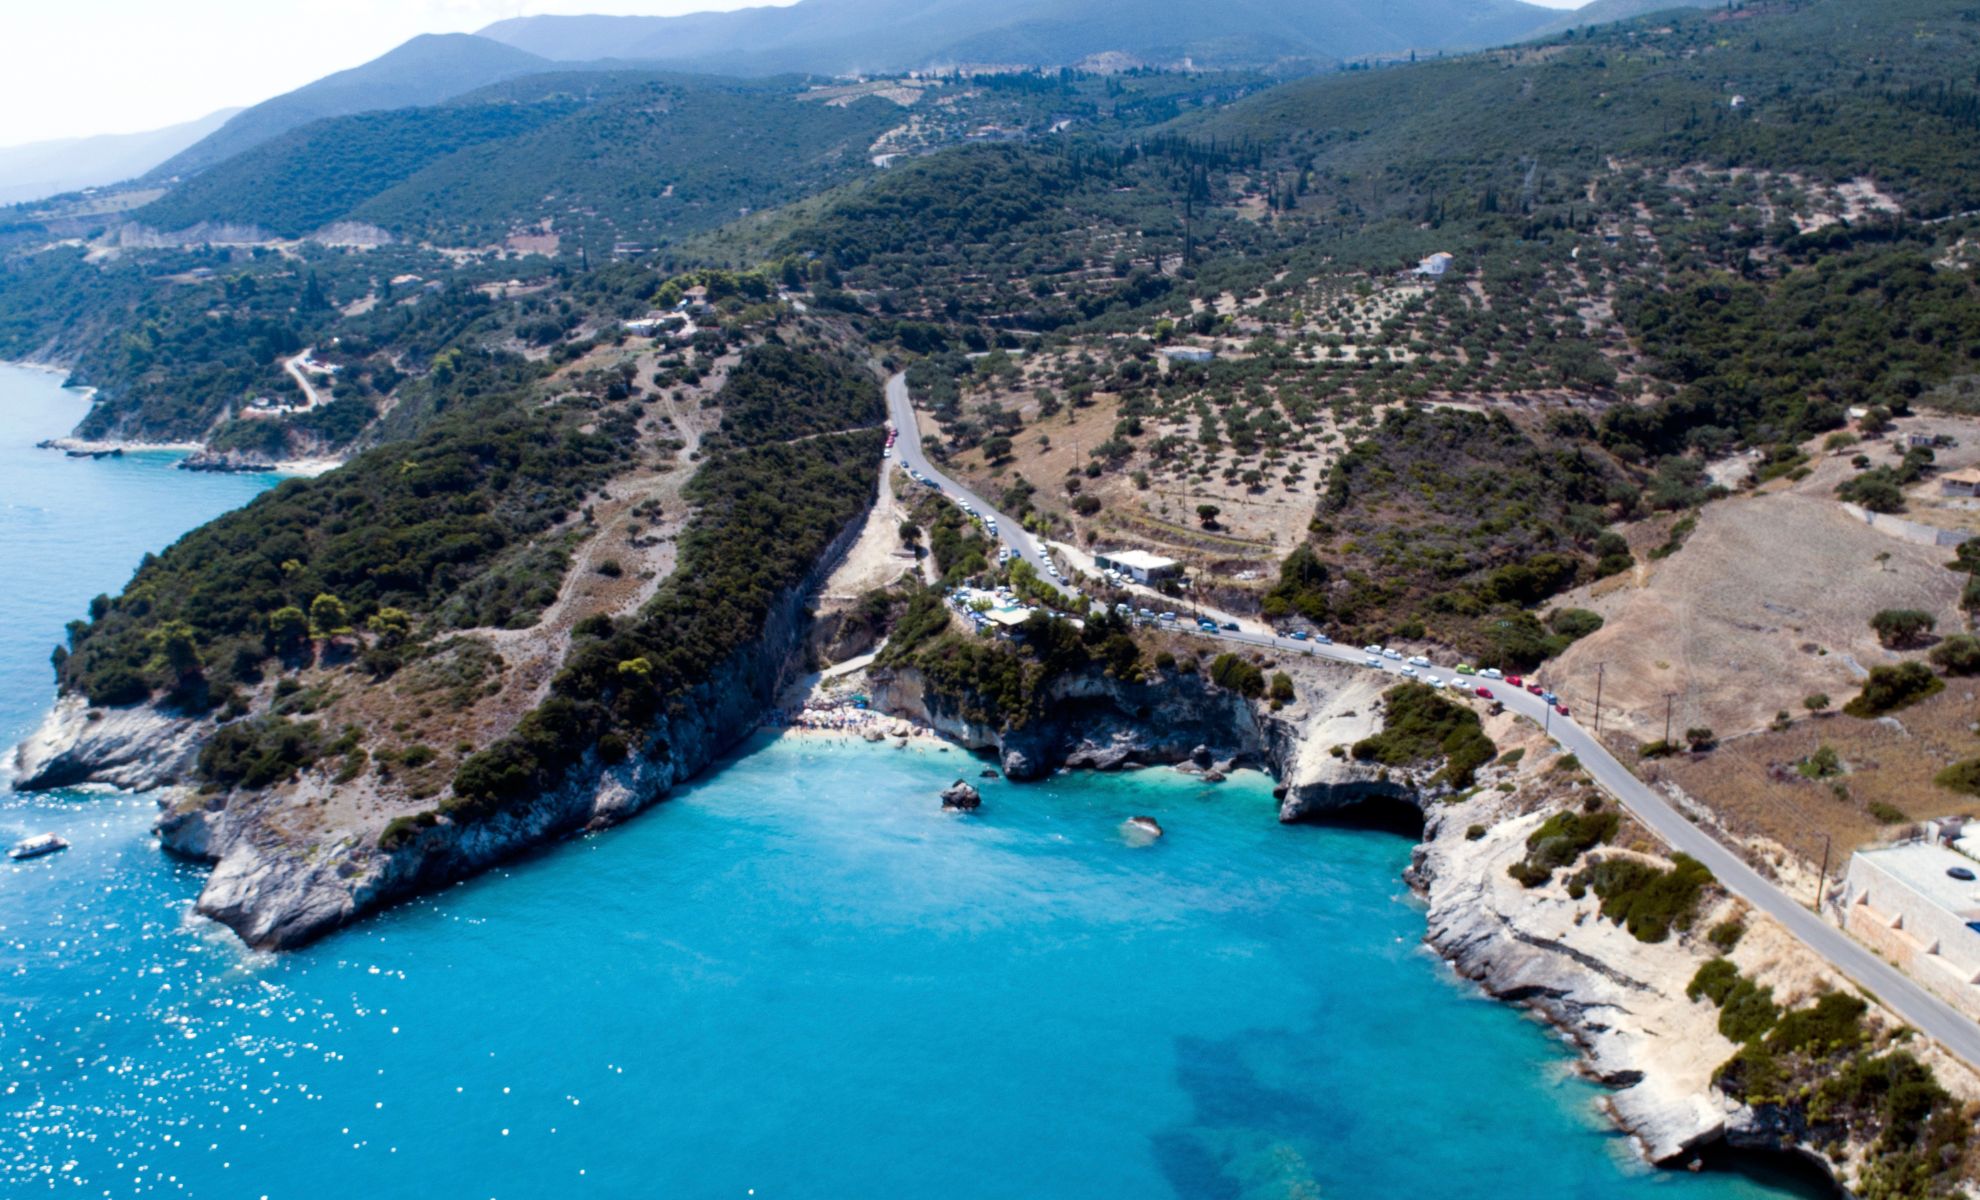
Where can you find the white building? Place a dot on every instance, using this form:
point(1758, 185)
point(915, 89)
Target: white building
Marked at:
point(1138, 565)
point(1909, 903)
point(1188, 354)
point(1436, 264)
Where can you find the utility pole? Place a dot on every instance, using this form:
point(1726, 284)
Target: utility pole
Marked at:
point(1599, 668)
point(1668, 697)
point(1822, 880)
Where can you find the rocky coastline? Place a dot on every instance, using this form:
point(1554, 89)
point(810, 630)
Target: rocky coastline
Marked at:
point(278, 891)
point(1620, 1002)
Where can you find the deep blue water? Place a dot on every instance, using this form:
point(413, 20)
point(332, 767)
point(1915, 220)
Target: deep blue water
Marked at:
point(796, 978)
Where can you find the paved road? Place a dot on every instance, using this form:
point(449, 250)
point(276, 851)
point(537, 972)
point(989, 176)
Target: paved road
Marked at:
point(1909, 1000)
point(1898, 992)
point(907, 449)
point(294, 366)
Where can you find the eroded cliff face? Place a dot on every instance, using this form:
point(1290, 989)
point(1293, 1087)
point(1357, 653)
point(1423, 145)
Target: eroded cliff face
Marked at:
point(1092, 720)
point(139, 748)
point(279, 887)
point(1619, 1000)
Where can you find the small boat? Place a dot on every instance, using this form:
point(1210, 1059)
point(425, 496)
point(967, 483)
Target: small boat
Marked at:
point(36, 846)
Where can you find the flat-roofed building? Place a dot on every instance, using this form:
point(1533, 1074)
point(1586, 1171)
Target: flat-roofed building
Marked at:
point(1138, 565)
point(1918, 904)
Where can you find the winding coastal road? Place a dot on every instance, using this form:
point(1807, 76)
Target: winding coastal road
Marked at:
point(900, 410)
point(1897, 991)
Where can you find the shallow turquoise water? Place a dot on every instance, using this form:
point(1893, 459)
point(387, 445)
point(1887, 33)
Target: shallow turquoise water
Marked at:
point(796, 977)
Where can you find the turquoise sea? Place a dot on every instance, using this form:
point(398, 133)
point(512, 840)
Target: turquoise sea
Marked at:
point(796, 978)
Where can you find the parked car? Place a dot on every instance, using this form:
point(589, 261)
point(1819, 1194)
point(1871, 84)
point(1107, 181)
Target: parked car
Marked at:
point(1395, 654)
point(1513, 681)
point(1371, 649)
point(1534, 688)
point(1561, 709)
point(1485, 693)
point(1417, 660)
point(1372, 661)
point(1492, 673)
point(1299, 635)
point(1550, 697)
point(1231, 625)
point(1963, 874)
point(1323, 639)
point(1409, 672)
point(1465, 669)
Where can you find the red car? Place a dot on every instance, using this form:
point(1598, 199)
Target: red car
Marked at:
point(1512, 681)
point(1484, 693)
point(1535, 688)
point(1561, 709)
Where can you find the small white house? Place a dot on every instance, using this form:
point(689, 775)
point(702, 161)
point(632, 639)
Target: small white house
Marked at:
point(1436, 264)
point(1188, 354)
point(1138, 565)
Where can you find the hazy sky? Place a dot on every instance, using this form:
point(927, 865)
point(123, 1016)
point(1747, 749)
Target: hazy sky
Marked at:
point(78, 67)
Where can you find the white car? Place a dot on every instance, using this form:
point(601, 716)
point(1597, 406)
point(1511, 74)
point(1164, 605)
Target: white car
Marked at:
point(1388, 653)
point(1491, 673)
point(1372, 661)
point(1375, 650)
point(1417, 660)
point(1408, 672)
point(1433, 681)
point(1323, 639)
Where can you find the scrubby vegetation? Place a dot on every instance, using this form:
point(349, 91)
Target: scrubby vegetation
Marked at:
point(1889, 689)
point(1647, 900)
point(451, 518)
point(1419, 726)
point(765, 512)
point(1561, 840)
point(1821, 1070)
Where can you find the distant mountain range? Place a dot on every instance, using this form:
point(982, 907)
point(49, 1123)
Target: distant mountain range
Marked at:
point(426, 70)
point(51, 168)
point(848, 36)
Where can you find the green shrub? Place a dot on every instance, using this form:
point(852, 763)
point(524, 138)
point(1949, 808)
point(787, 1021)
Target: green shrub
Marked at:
point(1560, 840)
point(1891, 688)
point(1236, 673)
point(1957, 655)
point(1714, 980)
point(1897, 627)
point(1726, 934)
point(255, 754)
point(1748, 1010)
point(1419, 725)
point(1889, 814)
point(1835, 1022)
point(1963, 776)
point(401, 830)
point(1647, 901)
point(1574, 623)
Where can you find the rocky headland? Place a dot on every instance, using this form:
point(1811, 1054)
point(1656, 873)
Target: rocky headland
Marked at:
point(282, 878)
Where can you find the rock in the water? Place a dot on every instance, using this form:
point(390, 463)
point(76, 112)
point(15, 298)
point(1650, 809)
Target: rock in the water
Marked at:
point(961, 797)
point(1213, 776)
point(1200, 756)
point(1145, 825)
point(989, 773)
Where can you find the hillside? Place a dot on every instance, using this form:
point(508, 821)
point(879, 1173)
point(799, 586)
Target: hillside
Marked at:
point(839, 36)
point(426, 70)
point(642, 155)
point(39, 169)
